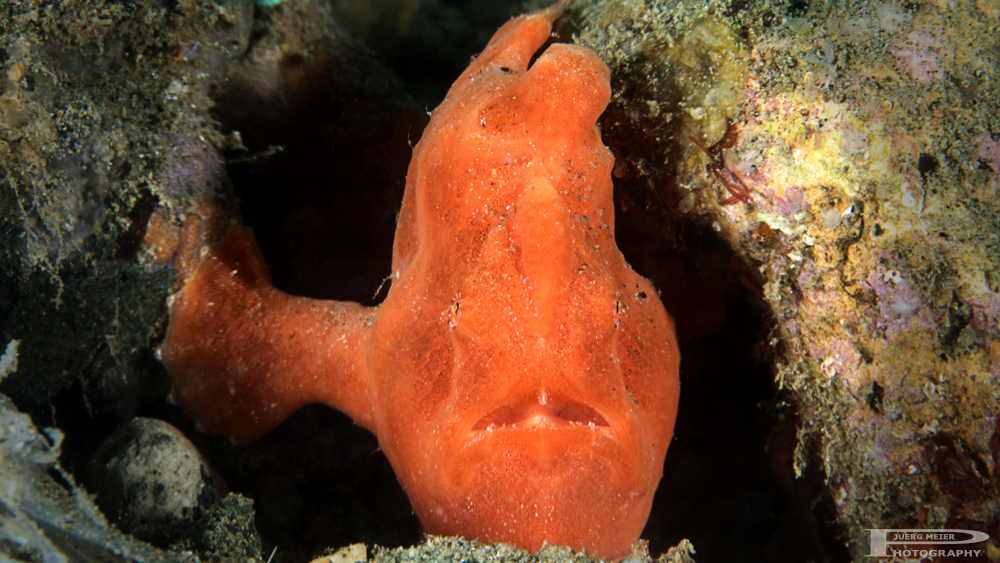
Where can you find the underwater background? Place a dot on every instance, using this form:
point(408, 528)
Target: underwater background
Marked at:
point(811, 185)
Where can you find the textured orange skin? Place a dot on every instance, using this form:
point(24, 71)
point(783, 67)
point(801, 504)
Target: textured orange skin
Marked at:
point(520, 377)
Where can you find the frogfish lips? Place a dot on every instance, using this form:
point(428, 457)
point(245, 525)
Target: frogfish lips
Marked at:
point(540, 410)
point(536, 469)
point(555, 435)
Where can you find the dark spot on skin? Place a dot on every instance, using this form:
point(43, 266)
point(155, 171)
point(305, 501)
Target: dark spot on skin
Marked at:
point(504, 69)
point(642, 294)
point(158, 489)
point(877, 230)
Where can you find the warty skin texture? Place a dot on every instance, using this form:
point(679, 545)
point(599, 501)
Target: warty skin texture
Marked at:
point(522, 380)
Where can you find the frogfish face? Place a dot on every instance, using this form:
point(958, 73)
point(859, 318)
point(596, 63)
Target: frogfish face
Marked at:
point(523, 379)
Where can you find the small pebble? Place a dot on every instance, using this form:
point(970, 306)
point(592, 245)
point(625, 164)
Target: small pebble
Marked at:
point(151, 481)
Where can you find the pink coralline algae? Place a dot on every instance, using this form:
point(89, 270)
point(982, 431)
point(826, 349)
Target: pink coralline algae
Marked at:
point(989, 152)
point(898, 302)
point(919, 56)
point(794, 200)
point(985, 311)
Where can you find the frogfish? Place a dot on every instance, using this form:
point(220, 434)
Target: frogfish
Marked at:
point(521, 378)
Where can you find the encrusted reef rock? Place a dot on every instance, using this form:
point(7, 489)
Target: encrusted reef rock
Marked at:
point(104, 120)
point(692, 60)
point(868, 133)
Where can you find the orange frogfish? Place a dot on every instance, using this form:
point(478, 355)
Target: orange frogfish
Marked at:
point(522, 380)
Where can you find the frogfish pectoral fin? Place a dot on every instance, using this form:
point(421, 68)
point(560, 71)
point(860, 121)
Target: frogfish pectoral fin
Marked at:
point(244, 356)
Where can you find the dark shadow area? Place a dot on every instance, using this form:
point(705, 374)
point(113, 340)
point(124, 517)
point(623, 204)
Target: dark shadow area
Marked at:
point(321, 181)
point(428, 44)
point(317, 481)
point(728, 482)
